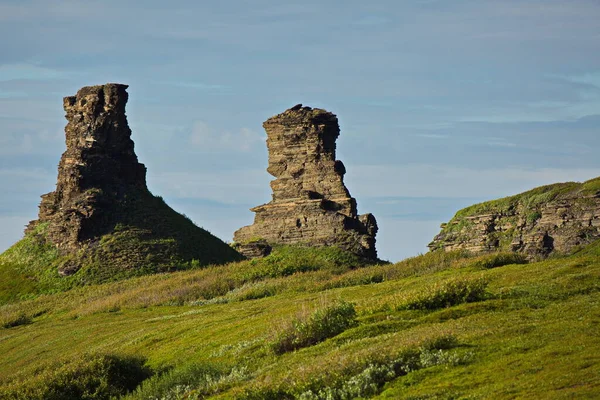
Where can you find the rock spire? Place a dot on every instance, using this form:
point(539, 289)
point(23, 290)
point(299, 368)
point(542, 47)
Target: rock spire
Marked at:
point(310, 204)
point(101, 190)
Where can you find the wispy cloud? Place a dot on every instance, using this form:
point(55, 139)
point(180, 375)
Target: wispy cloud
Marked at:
point(228, 187)
point(12, 229)
point(209, 139)
point(11, 72)
point(417, 180)
point(431, 136)
point(195, 85)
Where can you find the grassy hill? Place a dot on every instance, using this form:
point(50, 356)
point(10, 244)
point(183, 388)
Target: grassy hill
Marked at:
point(315, 324)
point(151, 237)
point(553, 218)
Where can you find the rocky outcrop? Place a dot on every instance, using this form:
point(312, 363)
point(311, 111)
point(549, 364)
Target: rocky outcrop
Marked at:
point(101, 190)
point(554, 218)
point(310, 204)
point(97, 170)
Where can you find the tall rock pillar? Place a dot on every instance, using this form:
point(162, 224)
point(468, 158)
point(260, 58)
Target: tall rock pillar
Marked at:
point(102, 214)
point(310, 205)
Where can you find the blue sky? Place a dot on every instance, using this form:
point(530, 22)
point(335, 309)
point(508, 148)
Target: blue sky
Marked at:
point(441, 103)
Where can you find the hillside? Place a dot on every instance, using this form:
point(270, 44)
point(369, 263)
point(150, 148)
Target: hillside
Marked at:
point(102, 223)
point(111, 294)
point(542, 221)
point(316, 324)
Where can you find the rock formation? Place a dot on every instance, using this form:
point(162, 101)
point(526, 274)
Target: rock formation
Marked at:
point(101, 190)
point(310, 204)
point(554, 218)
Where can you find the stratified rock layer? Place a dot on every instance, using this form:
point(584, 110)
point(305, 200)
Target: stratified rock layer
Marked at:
point(310, 205)
point(554, 218)
point(101, 190)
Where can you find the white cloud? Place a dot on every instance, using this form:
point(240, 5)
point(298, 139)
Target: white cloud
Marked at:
point(195, 85)
point(10, 72)
point(399, 239)
point(209, 139)
point(43, 141)
point(431, 136)
point(230, 187)
point(11, 230)
point(416, 180)
point(590, 78)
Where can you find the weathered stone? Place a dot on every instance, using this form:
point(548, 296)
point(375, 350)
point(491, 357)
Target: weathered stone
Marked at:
point(101, 189)
point(555, 218)
point(98, 168)
point(310, 203)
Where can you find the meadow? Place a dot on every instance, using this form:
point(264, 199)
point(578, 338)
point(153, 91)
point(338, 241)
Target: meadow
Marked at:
point(312, 324)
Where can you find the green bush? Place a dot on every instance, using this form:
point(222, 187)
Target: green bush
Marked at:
point(190, 382)
point(368, 380)
point(499, 260)
point(288, 260)
point(447, 294)
point(89, 377)
point(15, 320)
point(320, 325)
point(443, 342)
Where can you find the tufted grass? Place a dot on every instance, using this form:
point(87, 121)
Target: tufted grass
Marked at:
point(507, 331)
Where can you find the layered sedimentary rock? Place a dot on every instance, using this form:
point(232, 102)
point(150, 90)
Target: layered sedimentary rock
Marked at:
point(555, 218)
point(101, 189)
point(310, 204)
point(98, 167)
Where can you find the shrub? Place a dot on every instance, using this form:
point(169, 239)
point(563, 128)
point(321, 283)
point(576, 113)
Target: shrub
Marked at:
point(15, 320)
point(190, 382)
point(89, 377)
point(362, 276)
point(369, 379)
point(253, 291)
point(447, 294)
point(499, 260)
point(322, 324)
point(288, 260)
point(443, 342)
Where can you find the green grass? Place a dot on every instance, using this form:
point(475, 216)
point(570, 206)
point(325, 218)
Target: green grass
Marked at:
point(89, 377)
point(530, 200)
point(150, 238)
point(307, 330)
point(515, 209)
point(441, 325)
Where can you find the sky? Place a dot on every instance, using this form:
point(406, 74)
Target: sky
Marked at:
point(441, 104)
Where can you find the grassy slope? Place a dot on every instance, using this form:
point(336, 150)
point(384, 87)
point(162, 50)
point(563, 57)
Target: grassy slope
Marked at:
point(151, 238)
point(534, 198)
point(534, 334)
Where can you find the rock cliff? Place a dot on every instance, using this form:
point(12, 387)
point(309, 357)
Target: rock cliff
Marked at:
point(101, 209)
point(310, 204)
point(554, 218)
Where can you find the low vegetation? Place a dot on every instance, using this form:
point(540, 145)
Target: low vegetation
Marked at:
point(445, 294)
point(307, 330)
point(152, 238)
point(87, 377)
point(314, 324)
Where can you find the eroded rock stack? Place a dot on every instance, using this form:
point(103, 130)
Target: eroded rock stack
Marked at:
point(98, 169)
point(549, 219)
point(101, 190)
point(310, 205)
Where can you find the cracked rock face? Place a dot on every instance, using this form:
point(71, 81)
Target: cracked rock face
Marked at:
point(555, 218)
point(98, 168)
point(310, 203)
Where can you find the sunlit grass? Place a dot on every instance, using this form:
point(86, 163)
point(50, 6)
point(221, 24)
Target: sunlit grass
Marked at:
point(502, 329)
